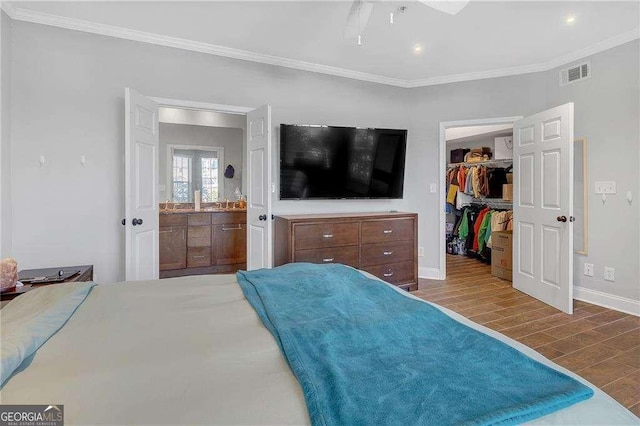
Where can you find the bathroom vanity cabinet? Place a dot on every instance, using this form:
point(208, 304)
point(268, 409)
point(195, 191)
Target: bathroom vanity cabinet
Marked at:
point(196, 242)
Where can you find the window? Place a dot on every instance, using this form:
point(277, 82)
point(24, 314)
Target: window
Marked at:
point(209, 167)
point(181, 179)
point(193, 168)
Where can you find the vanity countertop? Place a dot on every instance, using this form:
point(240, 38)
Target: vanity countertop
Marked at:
point(203, 210)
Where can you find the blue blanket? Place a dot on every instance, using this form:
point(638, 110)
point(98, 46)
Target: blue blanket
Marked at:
point(366, 355)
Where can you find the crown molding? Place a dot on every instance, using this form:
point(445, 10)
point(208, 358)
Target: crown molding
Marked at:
point(36, 17)
point(545, 66)
point(8, 8)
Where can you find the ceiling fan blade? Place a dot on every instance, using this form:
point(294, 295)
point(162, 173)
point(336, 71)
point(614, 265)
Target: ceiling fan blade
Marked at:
point(358, 18)
point(452, 7)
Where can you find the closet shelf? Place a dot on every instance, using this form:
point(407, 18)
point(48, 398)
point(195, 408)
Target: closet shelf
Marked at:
point(493, 202)
point(485, 163)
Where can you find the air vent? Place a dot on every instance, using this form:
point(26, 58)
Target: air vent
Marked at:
point(575, 73)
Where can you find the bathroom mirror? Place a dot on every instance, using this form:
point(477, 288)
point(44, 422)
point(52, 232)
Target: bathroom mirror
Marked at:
point(195, 157)
point(580, 200)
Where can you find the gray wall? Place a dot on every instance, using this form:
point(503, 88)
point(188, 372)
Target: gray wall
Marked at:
point(428, 106)
point(5, 138)
point(184, 134)
point(71, 104)
point(607, 114)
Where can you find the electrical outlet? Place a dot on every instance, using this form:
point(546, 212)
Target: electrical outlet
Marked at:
point(420, 251)
point(588, 269)
point(433, 188)
point(605, 187)
point(609, 274)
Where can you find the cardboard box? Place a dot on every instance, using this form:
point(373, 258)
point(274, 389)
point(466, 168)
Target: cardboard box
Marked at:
point(504, 148)
point(507, 192)
point(502, 254)
point(509, 177)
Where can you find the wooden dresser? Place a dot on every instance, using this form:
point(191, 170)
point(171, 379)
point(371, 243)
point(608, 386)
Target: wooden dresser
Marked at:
point(198, 243)
point(384, 244)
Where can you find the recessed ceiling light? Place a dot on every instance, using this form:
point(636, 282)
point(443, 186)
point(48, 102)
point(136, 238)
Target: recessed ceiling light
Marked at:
point(571, 19)
point(417, 49)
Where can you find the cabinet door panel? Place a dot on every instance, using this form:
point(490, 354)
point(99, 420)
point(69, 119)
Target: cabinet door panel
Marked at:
point(229, 244)
point(173, 247)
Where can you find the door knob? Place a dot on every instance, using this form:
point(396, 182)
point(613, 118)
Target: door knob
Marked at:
point(136, 221)
point(262, 217)
point(561, 218)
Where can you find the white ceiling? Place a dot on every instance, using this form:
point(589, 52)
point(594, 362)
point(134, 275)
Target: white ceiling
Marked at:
point(485, 39)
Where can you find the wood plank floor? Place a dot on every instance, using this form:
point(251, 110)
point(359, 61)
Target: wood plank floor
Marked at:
point(599, 344)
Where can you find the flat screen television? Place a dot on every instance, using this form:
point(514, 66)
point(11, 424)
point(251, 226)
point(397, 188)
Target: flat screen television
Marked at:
point(326, 162)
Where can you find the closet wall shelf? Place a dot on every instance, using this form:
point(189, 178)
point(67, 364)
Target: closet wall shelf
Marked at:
point(496, 163)
point(493, 202)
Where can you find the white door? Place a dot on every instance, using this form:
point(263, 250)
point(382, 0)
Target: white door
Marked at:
point(141, 187)
point(543, 206)
point(259, 188)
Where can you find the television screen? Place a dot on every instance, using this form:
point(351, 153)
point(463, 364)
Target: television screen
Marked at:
point(323, 162)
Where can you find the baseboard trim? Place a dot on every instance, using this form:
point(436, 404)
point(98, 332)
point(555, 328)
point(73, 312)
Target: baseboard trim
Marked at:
point(429, 273)
point(606, 300)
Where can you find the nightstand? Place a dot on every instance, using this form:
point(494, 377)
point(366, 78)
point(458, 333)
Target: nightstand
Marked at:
point(70, 273)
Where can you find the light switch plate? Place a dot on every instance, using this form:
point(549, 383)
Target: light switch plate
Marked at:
point(605, 187)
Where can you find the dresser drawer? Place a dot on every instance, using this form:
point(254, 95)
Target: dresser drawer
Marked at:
point(173, 219)
point(308, 236)
point(392, 252)
point(379, 231)
point(197, 219)
point(394, 273)
point(198, 257)
point(199, 236)
point(346, 255)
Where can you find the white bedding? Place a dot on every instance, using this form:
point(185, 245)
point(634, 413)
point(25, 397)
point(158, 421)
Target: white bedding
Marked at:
point(189, 351)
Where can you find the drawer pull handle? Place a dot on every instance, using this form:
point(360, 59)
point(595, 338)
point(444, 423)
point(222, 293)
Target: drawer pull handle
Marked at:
point(328, 259)
point(387, 253)
point(198, 257)
point(327, 236)
point(166, 232)
point(237, 228)
point(388, 274)
point(387, 231)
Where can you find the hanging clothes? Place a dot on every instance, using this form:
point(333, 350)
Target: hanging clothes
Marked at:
point(476, 228)
point(483, 230)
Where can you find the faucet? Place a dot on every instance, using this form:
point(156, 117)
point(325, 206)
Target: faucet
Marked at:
point(166, 204)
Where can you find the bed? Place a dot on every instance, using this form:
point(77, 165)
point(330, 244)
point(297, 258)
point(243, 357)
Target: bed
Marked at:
point(188, 350)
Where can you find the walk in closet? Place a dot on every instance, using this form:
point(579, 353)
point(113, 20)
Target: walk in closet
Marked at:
point(479, 195)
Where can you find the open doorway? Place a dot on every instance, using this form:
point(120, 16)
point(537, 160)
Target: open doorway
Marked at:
point(476, 164)
point(143, 196)
point(201, 170)
point(542, 194)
